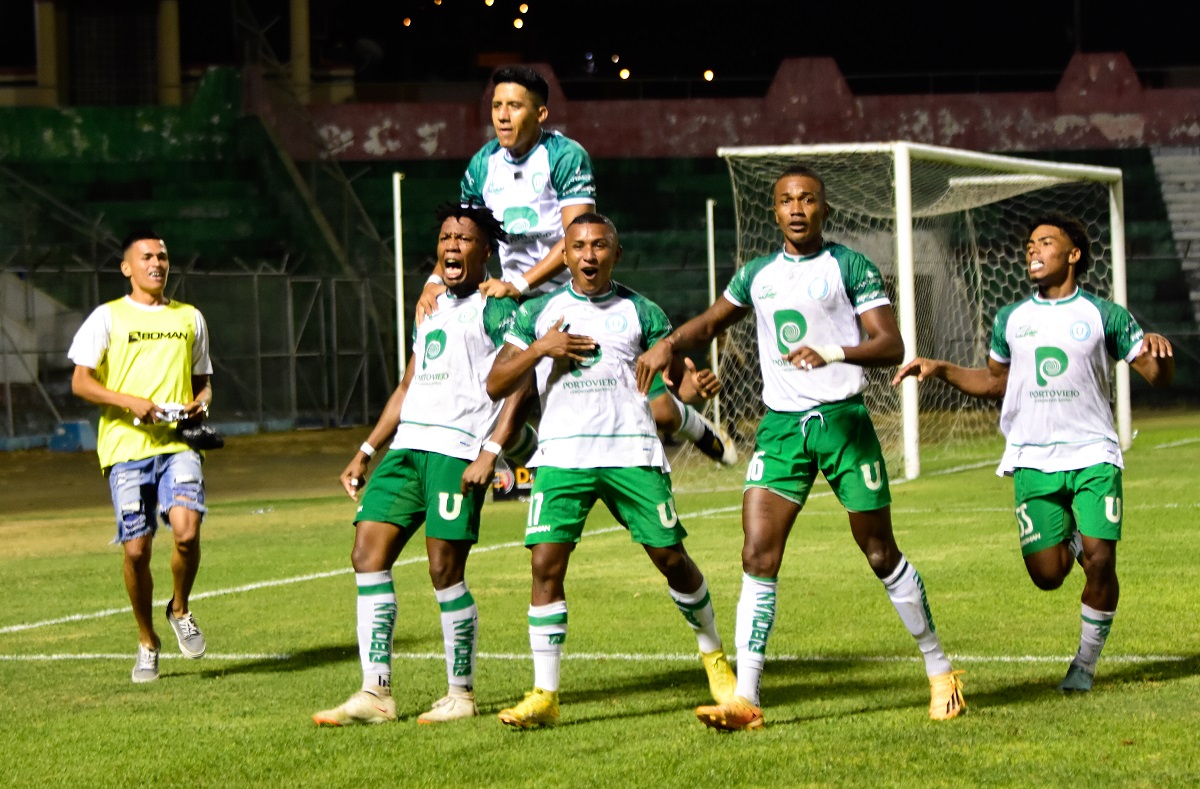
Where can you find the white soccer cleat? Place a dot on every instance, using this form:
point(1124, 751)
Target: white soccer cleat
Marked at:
point(455, 705)
point(362, 707)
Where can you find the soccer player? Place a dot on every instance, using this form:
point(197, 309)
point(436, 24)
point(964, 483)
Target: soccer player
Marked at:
point(535, 182)
point(1050, 363)
point(598, 441)
point(822, 316)
point(445, 436)
point(144, 360)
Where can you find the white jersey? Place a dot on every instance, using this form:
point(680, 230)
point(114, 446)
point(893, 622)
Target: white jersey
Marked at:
point(593, 415)
point(1057, 414)
point(814, 300)
point(527, 195)
point(446, 408)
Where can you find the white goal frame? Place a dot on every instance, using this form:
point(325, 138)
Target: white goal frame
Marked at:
point(903, 154)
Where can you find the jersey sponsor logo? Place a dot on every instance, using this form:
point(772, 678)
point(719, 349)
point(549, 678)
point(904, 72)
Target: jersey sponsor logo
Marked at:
point(519, 219)
point(464, 647)
point(1080, 331)
point(435, 346)
point(818, 290)
point(536, 530)
point(1025, 331)
point(790, 328)
point(762, 620)
point(383, 622)
point(1050, 362)
point(146, 336)
point(590, 359)
point(616, 324)
point(766, 292)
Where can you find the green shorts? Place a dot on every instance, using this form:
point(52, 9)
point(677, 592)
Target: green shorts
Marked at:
point(836, 439)
point(1050, 504)
point(639, 498)
point(413, 487)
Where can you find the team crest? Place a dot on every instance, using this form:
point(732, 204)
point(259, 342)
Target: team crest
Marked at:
point(467, 314)
point(539, 181)
point(616, 324)
point(1080, 331)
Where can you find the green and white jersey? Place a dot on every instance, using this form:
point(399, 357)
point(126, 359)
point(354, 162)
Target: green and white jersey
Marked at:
point(814, 300)
point(593, 415)
point(527, 196)
point(1056, 413)
point(446, 408)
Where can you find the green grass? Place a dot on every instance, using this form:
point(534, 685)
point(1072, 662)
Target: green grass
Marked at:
point(845, 698)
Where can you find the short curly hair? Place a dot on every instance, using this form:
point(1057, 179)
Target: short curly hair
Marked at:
point(1074, 230)
point(480, 215)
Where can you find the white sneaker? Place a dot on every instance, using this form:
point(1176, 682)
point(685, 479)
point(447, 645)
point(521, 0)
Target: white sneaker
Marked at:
point(362, 707)
point(145, 669)
point(453, 706)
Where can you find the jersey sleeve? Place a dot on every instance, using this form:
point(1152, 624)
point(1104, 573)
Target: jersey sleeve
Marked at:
point(90, 344)
point(471, 186)
point(999, 349)
point(571, 173)
point(737, 291)
point(498, 315)
point(862, 280)
point(201, 363)
point(653, 321)
point(1122, 334)
point(522, 330)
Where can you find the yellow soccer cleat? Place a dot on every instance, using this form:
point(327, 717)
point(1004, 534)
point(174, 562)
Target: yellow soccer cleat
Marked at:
point(737, 714)
point(945, 696)
point(538, 708)
point(362, 707)
point(722, 682)
point(455, 705)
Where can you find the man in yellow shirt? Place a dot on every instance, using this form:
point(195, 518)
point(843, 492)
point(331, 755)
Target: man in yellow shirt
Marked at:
point(144, 360)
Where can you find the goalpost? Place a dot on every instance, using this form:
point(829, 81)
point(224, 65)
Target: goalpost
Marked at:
point(946, 227)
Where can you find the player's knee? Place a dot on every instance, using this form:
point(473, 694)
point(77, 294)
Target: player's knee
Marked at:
point(1046, 581)
point(760, 562)
point(883, 558)
point(137, 553)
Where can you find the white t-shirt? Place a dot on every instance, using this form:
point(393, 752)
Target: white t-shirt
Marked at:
point(91, 341)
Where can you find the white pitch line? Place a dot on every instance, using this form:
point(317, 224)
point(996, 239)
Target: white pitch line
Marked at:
point(125, 656)
point(1178, 443)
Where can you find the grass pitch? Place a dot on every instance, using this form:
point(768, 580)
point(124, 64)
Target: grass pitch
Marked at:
point(845, 695)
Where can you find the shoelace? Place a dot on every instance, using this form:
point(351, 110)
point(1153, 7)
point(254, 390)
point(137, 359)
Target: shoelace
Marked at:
point(147, 658)
point(188, 626)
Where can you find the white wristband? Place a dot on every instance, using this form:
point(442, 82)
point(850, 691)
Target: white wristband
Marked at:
point(493, 447)
point(367, 449)
point(830, 353)
point(434, 279)
point(521, 284)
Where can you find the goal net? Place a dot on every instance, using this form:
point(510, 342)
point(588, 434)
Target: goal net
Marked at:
point(947, 229)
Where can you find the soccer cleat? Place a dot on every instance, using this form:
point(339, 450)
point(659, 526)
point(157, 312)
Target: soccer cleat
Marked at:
point(1078, 680)
point(191, 640)
point(145, 669)
point(715, 446)
point(455, 705)
point(722, 682)
point(737, 714)
point(945, 696)
point(538, 708)
point(362, 707)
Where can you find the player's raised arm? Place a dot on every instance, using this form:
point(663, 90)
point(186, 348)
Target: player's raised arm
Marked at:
point(1156, 361)
point(694, 334)
point(988, 382)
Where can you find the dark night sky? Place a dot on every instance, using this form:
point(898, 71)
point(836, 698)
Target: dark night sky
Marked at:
point(667, 40)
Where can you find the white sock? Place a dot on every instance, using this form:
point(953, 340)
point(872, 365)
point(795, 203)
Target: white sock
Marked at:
point(755, 619)
point(376, 623)
point(697, 609)
point(1093, 633)
point(906, 590)
point(547, 632)
point(692, 425)
point(460, 634)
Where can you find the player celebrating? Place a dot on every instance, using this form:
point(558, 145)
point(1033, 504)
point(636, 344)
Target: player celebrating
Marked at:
point(445, 436)
point(536, 182)
point(597, 442)
point(144, 360)
point(1049, 361)
point(814, 302)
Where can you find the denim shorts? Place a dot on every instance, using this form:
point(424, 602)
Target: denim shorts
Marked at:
point(141, 487)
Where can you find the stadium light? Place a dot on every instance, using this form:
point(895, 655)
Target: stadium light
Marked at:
point(523, 8)
point(624, 73)
point(407, 21)
point(489, 3)
point(708, 75)
point(616, 58)
point(518, 23)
